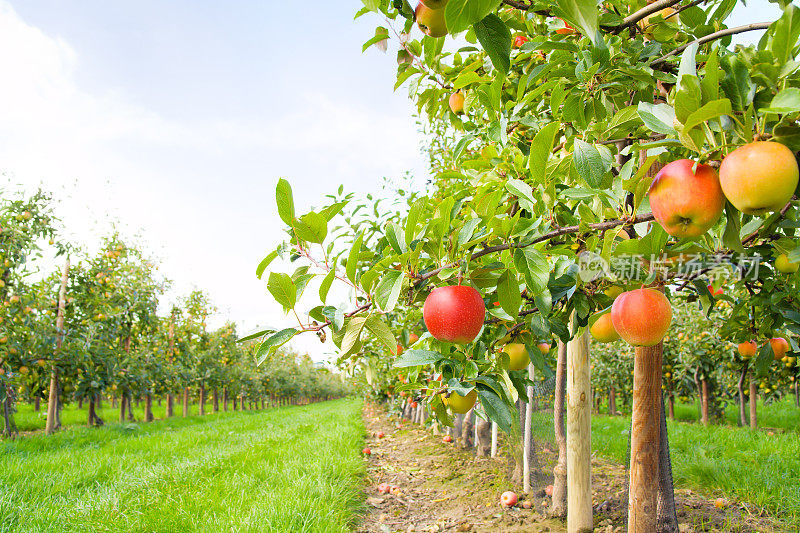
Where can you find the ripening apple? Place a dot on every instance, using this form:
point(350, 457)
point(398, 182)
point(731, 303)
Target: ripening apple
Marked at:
point(413, 338)
point(447, 439)
point(460, 404)
point(414, 405)
point(508, 499)
point(647, 26)
point(399, 349)
point(434, 4)
point(783, 265)
point(456, 102)
point(544, 347)
point(548, 490)
point(779, 347)
point(759, 177)
point(603, 329)
point(430, 21)
point(686, 203)
point(517, 356)
point(566, 30)
point(642, 317)
point(613, 291)
point(519, 40)
point(454, 313)
point(748, 349)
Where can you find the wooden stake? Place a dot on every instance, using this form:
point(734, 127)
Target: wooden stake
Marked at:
point(526, 441)
point(645, 439)
point(494, 439)
point(753, 404)
point(52, 401)
point(579, 436)
point(559, 504)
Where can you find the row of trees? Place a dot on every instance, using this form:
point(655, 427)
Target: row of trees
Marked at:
point(91, 329)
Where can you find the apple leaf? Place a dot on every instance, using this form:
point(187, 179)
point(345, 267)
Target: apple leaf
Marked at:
point(541, 147)
point(588, 163)
point(538, 360)
point(382, 332)
point(283, 197)
point(659, 118)
point(262, 266)
point(764, 360)
point(786, 101)
point(733, 225)
point(270, 346)
point(352, 258)
point(508, 292)
point(456, 387)
point(495, 38)
point(584, 14)
point(325, 286)
point(381, 35)
point(282, 289)
point(312, 227)
point(254, 334)
point(335, 315)
point(388, 290)
point(496, 409)
point(461, 14)
point(396, 237)
point(352, 334)
point(417, 358)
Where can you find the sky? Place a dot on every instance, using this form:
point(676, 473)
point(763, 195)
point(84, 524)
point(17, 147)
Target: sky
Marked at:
point(174, 120)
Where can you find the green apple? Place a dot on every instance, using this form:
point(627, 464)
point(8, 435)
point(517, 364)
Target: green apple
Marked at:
point(430, 21)
point(783, 265)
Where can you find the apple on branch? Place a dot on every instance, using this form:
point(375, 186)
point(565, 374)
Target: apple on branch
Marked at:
point(642, 317)
point(759, 177)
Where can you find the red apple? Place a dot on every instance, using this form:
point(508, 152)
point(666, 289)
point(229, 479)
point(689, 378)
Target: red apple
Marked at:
point(527, 504)
point(454, 313)
point(380, 435)
point(384, 488)
point(447, 439)
point(641, 317)
point(544, 347)
point(366, 451)
point(779, 347)
point(603, 329)
point(399, 349)
point(748, 349)
point(519, 40)
point(413, 405)
point(759, 177)
point(456, 103)
point(508, 499)
point(549, 490)
point(715, 292)
point(686, 203)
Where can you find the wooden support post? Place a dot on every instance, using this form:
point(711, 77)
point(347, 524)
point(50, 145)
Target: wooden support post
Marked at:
point(645, 440)
point(579, 436)
point(52, 402)
point(559, 504)
point(753, 404)
point(494, 439)
point(526, 441)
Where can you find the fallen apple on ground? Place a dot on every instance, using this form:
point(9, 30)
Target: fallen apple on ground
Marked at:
point(366, 451)
point(508, 499)
point(447, 439)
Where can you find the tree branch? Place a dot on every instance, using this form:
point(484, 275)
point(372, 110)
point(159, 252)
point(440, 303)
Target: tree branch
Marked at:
point(641, 14)
point(601, 226)
point(712, 37)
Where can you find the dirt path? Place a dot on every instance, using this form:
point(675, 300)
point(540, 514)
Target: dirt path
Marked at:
point(438, 487)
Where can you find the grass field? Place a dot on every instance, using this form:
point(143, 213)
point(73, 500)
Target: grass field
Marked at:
point(292, 469)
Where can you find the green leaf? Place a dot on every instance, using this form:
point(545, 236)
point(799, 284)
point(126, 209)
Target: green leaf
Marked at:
point(508, 293)
point(659, 118)
point(352, 258)
point(312, 227)
point(764, 360)
point(417, 358)
point(336, 316)
point(381, 34)
point(396, 237)
point(465, 79)
point(541, 147)
point(271, 345)
point(497, 409)
point(381, 330)
point(461, 14)
point(584, 14)
point(786, 101)
point(325, 286)
point(523, 191)
point(262, 266)
point(588, 163)
point(411, 220)
point(495, 38)
point(711, 110)
point(388, 290)
point(254, 334)
point(538, 360)
point(627, 117)
point(282, 289)
point(733, 225)
point(533, 265)
point(283, 197)
point(352, 334)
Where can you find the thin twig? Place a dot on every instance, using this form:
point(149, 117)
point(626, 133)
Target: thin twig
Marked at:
point(711, 37)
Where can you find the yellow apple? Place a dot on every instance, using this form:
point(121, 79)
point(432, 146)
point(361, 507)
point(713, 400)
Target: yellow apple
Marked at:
point(603, 329)
point(759, 177)
point(517, 356)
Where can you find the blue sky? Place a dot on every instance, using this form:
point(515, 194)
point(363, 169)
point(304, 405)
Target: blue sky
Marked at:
point(175, 120)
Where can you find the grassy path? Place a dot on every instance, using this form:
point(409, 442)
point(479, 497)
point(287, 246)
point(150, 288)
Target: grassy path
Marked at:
point(295, 469)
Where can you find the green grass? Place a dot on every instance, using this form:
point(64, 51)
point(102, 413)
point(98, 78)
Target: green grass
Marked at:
point(293, 469)
point(751, 466)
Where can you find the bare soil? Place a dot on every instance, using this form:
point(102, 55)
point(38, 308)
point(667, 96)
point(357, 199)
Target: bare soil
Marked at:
point(438, 487)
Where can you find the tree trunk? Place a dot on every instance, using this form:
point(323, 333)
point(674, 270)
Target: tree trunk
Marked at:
point(235, 402)
point(10, 429)
point(742, 397)
point(579, 435)
point(215, 400)
point(53, 418)
point(98, 402)
point(80, 403)
point(170, 405)
point(796, 394)
point(671, 399)
point(202, 399)
point(93, 419)
point(483, 444)
point(467, 430)
point(559, 504)
point(645, 440)
point(704, 402)
point(186, 401)
point(753, 404)
point(37, 404)
point(494, 437)
point(225, 399)
point(122, 408)
point(148, 408)
point(129, 404)
point(612, 401)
